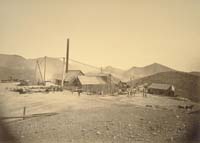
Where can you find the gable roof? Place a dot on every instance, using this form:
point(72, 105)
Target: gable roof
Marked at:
point(70, 75)
point(104, 76)
point(159, 86)
point(91, 80)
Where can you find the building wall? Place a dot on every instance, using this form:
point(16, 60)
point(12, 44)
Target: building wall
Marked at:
point(58, 82)
point(161, 92)
point(95, 89)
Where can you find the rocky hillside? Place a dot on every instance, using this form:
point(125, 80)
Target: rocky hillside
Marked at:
point(195, 73)
point(116, 72)
point(18, 67)
point(138, 72)
point(13, 62)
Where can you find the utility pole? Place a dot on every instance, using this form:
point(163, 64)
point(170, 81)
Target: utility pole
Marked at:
point(131, 81)
point(67, 56)
point(36, 72)
point(132, 77)
point(45, 58)
point(39, 70)
point(63, 73)
point(110, 83)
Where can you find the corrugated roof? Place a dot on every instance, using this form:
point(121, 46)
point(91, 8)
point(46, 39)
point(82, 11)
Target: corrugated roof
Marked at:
point(160, 86)
point(91, 80)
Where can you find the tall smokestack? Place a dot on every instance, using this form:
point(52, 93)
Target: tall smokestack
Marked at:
point(67, 56)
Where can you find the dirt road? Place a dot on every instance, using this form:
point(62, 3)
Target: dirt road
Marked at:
point(100, 119)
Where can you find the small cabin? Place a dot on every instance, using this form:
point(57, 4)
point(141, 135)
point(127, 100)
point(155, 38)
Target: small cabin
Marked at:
point(161, 89)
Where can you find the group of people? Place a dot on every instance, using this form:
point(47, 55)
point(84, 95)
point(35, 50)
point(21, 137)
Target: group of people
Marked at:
point(132, 91)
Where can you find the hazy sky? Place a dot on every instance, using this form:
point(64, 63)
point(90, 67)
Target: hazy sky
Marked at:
point(121, 33)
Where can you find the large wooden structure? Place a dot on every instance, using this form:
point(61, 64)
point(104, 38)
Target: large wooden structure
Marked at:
point(69, 80)
point(92, 85)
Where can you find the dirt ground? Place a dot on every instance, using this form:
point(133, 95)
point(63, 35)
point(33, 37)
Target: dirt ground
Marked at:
point(99, 119)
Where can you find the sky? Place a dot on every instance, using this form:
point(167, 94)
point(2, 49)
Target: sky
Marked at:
point(120, 33)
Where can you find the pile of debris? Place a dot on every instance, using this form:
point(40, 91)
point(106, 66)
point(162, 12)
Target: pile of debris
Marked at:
point(35, 89)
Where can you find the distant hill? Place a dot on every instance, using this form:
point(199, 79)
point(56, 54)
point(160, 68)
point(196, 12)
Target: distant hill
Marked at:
point(195, 73)
point(138, 72)
point(187, 85)
point(19, 67)
point(113, 70)
point(22, 74)
point(13, 62)
point(14, 66)
point(116, 72)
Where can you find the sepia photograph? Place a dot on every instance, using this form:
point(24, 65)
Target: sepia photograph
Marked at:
point(99, 71)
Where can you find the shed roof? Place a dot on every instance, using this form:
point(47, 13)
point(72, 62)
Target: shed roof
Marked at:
point(91, 80)
point(159, 86)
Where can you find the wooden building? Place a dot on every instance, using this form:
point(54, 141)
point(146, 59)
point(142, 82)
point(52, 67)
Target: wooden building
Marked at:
point(92, 84)
point(161, 89)
point(70, 79)
point(111, 81)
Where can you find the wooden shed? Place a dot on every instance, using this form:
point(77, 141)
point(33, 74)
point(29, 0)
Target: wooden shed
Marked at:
point(70, 78)
point(161, 89)
point(92, 84)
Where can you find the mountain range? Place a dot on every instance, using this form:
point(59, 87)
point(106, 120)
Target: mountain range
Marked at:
point(14, 65)
point(17, 67)
point(138, 72)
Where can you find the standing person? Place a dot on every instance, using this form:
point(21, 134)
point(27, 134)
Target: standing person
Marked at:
point(128, 92)
point(145, 91)
point(79, 92)
point(134, 91)
point(131, 92)
point(72, 90)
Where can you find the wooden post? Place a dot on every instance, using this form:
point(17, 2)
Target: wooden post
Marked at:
point(131, 81)
point(39, 70)
point(45, 70)
point(24, 112)
point(67, 56)
point(110, 84)
point(35, 73)
point(63, 73)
